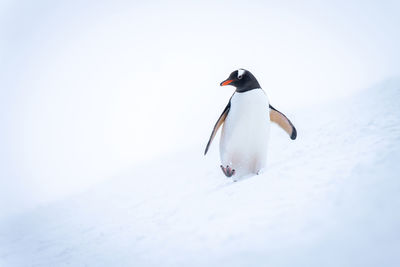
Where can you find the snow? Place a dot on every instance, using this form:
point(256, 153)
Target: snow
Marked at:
point(329, 198)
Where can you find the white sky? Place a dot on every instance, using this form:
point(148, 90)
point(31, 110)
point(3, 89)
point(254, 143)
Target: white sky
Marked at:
point(90, 89)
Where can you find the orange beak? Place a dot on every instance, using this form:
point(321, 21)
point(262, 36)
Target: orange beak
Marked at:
point(226, 82)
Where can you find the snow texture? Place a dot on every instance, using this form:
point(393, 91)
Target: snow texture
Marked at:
point(329, 198)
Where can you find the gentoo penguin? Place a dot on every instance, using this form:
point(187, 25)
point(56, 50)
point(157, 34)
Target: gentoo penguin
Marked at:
point(246, 124)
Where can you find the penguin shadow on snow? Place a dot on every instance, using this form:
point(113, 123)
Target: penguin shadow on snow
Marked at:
point(229, 182)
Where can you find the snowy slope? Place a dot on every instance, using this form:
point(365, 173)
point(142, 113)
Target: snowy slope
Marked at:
point(330, 198)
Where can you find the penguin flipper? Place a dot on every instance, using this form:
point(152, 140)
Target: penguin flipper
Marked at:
point(280, 119)
point(218, 124)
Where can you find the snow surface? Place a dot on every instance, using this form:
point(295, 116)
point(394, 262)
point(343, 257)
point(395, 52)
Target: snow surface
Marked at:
point(330, 198)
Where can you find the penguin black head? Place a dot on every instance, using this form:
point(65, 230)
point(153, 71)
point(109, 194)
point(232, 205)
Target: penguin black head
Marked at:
point(243, 80)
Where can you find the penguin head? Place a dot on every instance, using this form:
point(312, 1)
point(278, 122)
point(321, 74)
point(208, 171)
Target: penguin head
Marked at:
point(243, 80)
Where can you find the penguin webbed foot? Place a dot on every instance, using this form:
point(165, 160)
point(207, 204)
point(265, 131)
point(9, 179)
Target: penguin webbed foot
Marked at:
point(228, 171)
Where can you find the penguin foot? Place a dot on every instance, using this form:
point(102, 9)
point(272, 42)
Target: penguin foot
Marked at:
point(228, 171)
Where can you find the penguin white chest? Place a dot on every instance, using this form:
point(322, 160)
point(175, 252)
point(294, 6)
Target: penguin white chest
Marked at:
point(245, 133)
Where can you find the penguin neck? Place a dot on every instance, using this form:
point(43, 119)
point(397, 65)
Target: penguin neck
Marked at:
point(248, 86)
point(243, 90)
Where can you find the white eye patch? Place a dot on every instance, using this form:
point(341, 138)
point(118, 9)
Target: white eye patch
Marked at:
point(240, 72)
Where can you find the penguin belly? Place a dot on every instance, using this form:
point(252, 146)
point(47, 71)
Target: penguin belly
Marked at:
point(245, 133)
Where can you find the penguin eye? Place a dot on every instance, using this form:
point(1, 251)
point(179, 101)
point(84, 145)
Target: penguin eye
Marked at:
point(240, 77)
